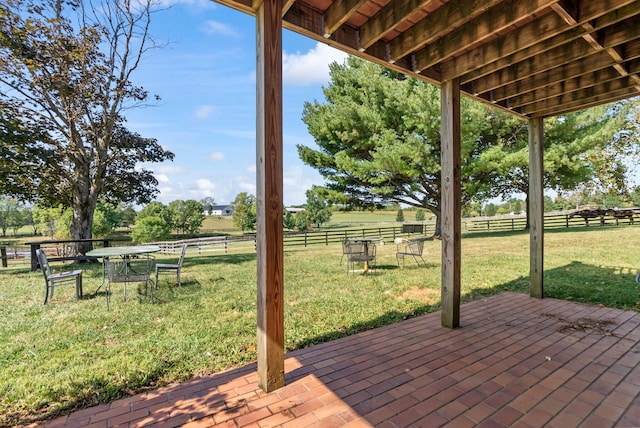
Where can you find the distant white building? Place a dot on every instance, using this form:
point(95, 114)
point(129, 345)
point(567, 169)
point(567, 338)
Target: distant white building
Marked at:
point(294, 210)
point(221, 210)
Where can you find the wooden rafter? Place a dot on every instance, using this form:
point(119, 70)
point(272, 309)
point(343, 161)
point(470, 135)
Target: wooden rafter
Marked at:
point(517, 54)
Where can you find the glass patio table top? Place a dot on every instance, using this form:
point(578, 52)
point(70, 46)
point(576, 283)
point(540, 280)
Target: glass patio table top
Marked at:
point(123, 251)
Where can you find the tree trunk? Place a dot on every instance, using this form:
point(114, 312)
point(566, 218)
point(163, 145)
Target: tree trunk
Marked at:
point(81, 226)
point(83, 207)
point(438, 231)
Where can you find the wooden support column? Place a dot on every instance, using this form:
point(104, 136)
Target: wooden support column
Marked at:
point(269, 199)
point(536, 206)
point(450, 205)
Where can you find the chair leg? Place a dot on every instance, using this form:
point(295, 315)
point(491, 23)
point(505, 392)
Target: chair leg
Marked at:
point(79, 286)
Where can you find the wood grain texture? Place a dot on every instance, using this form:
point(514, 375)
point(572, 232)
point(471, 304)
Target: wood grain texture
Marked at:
point(269, 198)
point(451, 205)
point(536, 206)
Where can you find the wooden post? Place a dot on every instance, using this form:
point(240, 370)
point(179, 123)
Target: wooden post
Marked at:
point(450, 206)
point(536, 206)
point(269, 199)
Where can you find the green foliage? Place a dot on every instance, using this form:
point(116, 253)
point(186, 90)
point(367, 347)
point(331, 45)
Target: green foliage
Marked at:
point(10, 214)
point(150, 229)
point(317, 208)
point(400, 215)
point(63, 224)
point(127, 216)
point(244, 211)
point(420, 216)
point(102, 227)
point(288, 221)
point(48, 219)
point(154, 209)
point(378, 135)
point(301, 221)
point(490, 209)
point(65, 69)
point(186, 216)
point(379, 139)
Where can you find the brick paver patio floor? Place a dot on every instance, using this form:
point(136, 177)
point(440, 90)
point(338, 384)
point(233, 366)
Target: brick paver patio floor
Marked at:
point(516, 361)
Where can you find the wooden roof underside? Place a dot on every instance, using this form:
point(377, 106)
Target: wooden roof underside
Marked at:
point(535, 58)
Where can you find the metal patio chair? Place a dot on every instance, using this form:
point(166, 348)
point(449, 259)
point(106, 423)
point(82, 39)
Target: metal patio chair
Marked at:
point(51, 278)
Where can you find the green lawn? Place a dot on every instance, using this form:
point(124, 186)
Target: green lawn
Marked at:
point(72, 354)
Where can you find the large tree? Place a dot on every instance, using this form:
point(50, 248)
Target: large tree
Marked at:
point(244, 211)
point(591, 149)
point(65, 76)
point(378, 138)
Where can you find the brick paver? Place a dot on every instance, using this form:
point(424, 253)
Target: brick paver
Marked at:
point(513, 362)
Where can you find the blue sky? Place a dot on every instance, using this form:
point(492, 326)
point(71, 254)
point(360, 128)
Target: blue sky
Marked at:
point(207, 114)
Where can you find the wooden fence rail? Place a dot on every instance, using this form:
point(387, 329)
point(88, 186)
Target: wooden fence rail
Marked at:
point(226, 244)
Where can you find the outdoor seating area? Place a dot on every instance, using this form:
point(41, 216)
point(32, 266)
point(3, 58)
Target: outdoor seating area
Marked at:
point(360, 250)
point(515, 361)
point(363, 251)
point(126, 264)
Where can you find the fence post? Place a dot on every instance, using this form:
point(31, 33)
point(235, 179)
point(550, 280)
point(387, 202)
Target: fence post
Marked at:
point(566, 219)
point(305, 239)
point(488, 225)
point(326, 238)
point(3, 254)
point(34, 260)
point(513, 224)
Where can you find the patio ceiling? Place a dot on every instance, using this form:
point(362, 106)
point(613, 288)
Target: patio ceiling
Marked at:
point(534, 58)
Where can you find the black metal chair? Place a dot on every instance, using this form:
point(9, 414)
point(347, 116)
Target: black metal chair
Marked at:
point(412, 248)
point(51, 278)
point(361, 253)
point(171, 267)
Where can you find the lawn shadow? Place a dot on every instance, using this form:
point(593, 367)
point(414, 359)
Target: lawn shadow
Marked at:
point(611, 286)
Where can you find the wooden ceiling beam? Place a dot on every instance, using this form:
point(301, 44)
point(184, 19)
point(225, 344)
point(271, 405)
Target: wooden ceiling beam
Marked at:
point(387, 19)
point(550, 32)
point(577, 54)
point(556, 89)
point(437, 24)
point(338, 13)
point(550, 77)
point(604, 87)
point(480, 30)
point(563, 105)
point(286, 5)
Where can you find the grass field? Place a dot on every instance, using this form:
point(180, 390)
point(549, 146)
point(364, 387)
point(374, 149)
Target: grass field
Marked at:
point(72, 354)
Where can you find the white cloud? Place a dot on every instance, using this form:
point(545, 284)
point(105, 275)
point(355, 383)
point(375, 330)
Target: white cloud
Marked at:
point(162, 178)
point(311, 67)
point(251, 169)
point(219, 28)
point(206, 185)
point(217, 156)
point(204, 111)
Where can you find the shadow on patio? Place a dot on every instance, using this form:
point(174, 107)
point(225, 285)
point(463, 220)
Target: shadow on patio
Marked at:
point(515, 361)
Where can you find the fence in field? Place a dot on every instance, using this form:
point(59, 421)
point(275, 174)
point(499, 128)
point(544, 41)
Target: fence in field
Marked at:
point(231, 244)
